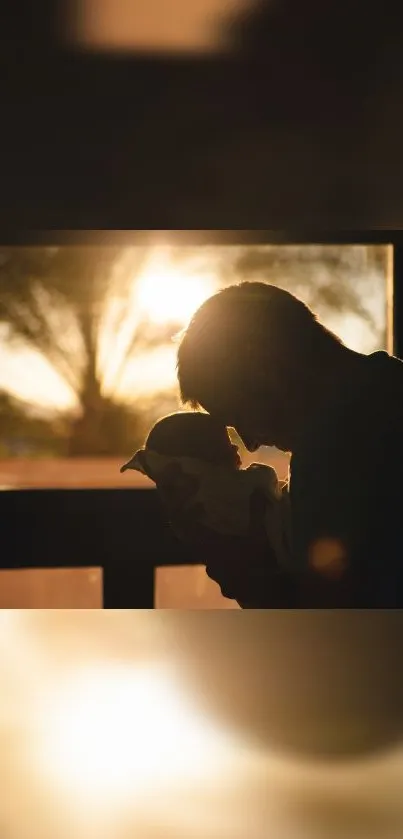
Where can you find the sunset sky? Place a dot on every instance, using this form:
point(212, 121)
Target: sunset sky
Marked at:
point(163, 293)
point(166, 292)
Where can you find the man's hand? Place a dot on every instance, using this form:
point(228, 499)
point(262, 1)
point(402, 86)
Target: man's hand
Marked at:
point(244, 567)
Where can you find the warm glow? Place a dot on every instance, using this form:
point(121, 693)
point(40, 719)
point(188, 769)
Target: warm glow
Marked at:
point(98, 741)
point(328, 557)
point(113, 731)
point(171, 294)
point(171, 285)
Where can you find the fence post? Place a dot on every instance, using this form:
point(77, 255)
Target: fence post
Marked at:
point(128, 585)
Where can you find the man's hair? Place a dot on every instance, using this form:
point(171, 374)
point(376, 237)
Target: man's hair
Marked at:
point(242, 327)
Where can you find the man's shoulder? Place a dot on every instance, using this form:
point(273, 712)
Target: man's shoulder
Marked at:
point(361, 432)
point(379, 399)
point(370, 408)
point(383, 364)
point(383, 356)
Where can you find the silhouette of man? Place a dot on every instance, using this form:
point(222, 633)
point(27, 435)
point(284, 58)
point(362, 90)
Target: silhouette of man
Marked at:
point(258, 359)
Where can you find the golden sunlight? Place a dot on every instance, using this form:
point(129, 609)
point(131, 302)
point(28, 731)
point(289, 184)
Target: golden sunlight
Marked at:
point(165, 292)
point(151, 298)
point(168, 293)
point(99, 739)
point(111, 732)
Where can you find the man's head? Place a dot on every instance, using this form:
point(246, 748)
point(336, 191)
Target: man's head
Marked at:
point(252, 356)
point(192, 434)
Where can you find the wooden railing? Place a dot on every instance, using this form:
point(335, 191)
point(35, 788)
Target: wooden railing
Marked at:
point(120, 531)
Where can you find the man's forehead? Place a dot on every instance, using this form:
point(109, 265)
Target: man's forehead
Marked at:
point(223, 411)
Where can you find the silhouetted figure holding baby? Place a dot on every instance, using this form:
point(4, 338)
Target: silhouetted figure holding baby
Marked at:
point(256, 358)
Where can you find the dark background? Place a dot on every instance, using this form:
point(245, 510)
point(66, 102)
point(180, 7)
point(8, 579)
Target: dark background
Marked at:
point(300, 126)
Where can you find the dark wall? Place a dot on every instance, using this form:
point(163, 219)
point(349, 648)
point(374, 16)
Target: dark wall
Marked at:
point(301, 126)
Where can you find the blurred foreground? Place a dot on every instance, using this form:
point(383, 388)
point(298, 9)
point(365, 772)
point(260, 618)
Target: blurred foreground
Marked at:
point(102, 732)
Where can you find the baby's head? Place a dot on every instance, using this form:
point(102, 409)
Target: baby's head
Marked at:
point(195, 435)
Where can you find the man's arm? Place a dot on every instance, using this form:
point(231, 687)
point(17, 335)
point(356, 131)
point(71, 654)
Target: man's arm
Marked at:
point(244, 567)
point(334, 500)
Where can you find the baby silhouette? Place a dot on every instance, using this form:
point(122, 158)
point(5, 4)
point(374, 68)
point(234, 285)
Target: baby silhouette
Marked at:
point(197, 469)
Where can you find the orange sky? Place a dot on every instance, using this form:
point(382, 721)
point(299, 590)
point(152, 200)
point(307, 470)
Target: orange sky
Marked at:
point(163, 289)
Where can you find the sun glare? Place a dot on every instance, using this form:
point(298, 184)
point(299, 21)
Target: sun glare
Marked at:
point(112, 731)
point(169, 293)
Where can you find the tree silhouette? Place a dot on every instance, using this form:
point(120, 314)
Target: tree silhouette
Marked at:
point(332, 280)
point(22, 429)
point(73, 304)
